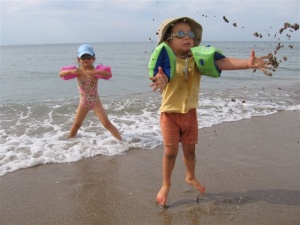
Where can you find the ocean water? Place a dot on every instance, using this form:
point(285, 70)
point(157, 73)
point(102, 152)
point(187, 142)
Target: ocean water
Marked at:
point(37, 107)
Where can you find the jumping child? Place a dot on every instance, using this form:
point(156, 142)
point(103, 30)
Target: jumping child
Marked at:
point(178, 117)
point(88, 91)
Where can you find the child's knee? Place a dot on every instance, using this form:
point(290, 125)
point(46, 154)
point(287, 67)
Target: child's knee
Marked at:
point(170, 151)
point(189, 151)
point(170, 156)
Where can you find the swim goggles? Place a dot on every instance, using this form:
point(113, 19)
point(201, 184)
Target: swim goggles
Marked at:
point(182, 34)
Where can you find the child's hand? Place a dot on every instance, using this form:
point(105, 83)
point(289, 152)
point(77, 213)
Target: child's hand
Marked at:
point(160, 81)
point(86, 72)
point(78, 71)
point(259, 63)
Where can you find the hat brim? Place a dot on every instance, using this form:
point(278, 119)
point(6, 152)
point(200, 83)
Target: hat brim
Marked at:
point(85, 53)
point(196, 28)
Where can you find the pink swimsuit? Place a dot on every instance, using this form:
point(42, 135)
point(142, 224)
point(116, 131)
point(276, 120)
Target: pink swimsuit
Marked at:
point(88, 90)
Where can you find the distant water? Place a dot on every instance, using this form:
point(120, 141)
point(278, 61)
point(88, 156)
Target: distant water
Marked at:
point(37, 107)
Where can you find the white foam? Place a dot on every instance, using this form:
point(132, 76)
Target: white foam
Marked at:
point(38, 134)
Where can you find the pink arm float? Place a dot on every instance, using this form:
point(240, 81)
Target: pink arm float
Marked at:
point(106, 68)
point(98, 67)
point(69, 76)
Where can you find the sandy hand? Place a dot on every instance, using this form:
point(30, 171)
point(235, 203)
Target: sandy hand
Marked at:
point(159, 81)
point(260, 63)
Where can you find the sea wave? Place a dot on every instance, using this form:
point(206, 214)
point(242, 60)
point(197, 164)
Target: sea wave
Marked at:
point(37, 133)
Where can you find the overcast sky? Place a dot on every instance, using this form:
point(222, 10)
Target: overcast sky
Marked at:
point(68, 21)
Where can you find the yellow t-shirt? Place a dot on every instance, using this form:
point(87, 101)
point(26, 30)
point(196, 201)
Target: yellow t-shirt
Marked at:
point(181, 93)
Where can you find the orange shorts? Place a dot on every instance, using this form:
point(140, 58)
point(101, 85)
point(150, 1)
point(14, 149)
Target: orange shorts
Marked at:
point(178, 127)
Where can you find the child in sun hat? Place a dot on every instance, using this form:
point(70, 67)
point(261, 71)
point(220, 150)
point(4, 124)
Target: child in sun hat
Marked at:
point(180, 91)
point(88, 89)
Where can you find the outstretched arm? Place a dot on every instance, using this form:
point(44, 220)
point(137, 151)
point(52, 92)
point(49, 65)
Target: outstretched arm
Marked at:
point(238, 64)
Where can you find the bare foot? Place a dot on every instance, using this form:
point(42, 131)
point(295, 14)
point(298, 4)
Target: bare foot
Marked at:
point(162, 196)
point(196, 185)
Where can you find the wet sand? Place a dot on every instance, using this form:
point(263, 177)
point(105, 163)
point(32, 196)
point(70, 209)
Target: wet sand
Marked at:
point(250, 169)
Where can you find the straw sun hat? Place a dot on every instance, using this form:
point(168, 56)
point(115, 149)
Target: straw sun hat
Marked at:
point(196, 28)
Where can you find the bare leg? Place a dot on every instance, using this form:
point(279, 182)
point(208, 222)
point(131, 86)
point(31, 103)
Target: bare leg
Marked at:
point(80, 115)
point(168, 163)
point(189, 159)
point(101, 114)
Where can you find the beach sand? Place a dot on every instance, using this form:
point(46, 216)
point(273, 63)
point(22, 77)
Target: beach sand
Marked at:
point(250, 169)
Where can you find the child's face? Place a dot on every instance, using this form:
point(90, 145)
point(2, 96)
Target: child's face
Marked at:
point(181, 46)
point(86, 60)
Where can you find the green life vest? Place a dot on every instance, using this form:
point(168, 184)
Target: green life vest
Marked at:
point(204, 56)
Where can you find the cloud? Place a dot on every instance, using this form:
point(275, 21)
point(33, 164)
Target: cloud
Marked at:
point(69, 21)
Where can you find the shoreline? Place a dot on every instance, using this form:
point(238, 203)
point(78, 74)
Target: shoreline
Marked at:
point(249, 168)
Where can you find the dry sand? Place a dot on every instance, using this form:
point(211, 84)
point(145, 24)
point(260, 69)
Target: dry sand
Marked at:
point(250, 169)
